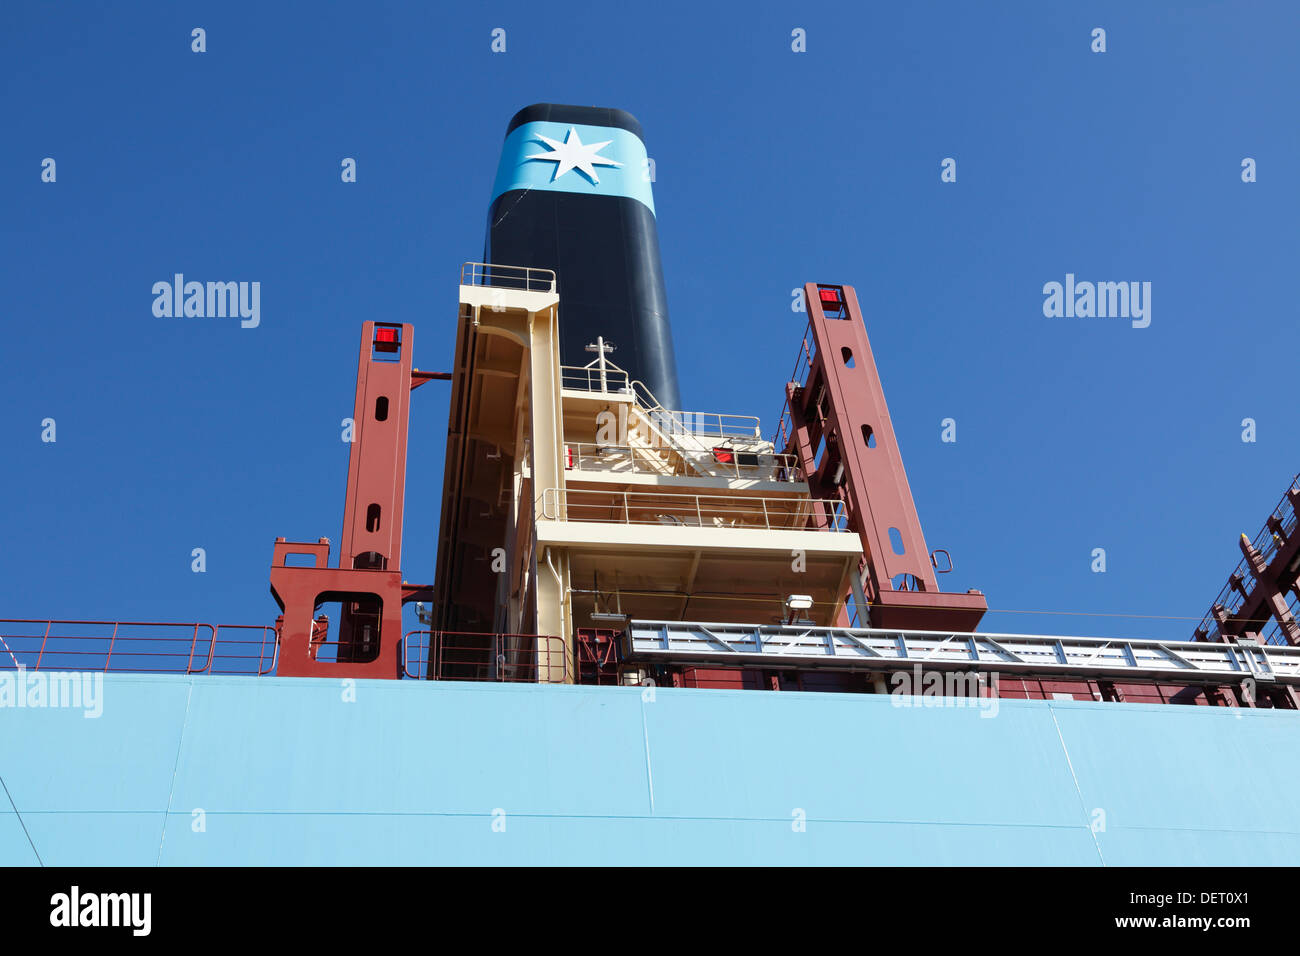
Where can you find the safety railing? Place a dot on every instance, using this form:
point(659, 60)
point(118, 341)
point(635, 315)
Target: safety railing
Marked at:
point(802, 366)
point(524, 278)
point(612, 380)
point(697, 511)
point(884, 650)
point(720, 462)
point(146, 647)
point(509, 658)
point(589, 378)
point(1230, 599)
point(1266, 543)
point(1272, 632)
point(136, 647)
point(706, 424)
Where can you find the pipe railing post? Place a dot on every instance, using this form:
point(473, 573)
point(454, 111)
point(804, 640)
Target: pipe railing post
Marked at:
point(261, 652)
point(189, 664)
point(212, 647)
point(45, 637)
point(113, 640)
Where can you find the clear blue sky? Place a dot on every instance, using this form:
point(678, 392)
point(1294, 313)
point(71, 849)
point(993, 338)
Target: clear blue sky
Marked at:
point(773, 168)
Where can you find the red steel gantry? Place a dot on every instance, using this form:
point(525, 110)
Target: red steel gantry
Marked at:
point(835, 399)
point(368, 581)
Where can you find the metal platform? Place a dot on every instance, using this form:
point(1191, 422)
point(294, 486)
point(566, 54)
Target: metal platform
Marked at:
point(869, 649)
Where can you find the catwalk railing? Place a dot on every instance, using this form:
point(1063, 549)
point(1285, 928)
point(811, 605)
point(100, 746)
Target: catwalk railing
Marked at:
point(30, 645)
point(523, 278)
point(140, 647)
point(883, 651)
point(1273, 632)
point(510, 658)
point(612, 380)
point(145, 647)
point(718, 462)
point(802, 366)
point(1231, 598)
point(697, 511)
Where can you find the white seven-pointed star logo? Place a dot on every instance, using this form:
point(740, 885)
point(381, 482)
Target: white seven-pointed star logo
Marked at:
point(572, 154)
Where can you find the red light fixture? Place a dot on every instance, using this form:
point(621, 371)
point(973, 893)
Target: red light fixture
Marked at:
point(829, 296)
point(385, 339)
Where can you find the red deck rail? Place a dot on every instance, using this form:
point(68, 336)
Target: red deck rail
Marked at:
point(143, 647)
point(153, 647)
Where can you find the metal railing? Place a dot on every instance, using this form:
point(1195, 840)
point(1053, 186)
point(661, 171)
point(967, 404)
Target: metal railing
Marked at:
point(877, 649)
point(710, 425)
point(624, 459)
point(1231, 599)
point(611, 380)
point(696, 511)
point(1272, 632)
point(524, 278)
point(510, 658)
point(706, 424)
point(146, 647)
point(802, 366)
point(140, 647)
point(1265, 543)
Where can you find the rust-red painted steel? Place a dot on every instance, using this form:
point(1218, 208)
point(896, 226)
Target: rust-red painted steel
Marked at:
point(143, 647)
point(738, 678)
point(1273, 578)
point(1257, 589)
point(842, 404)
point(368, 582)
point(598, 657)
point(372, 514)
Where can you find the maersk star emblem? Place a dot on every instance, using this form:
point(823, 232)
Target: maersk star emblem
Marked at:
point(573, 154)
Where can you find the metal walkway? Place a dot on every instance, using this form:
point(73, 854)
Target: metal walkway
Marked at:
point(867, 649)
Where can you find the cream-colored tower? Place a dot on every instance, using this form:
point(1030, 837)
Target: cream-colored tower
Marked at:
point(579, 494)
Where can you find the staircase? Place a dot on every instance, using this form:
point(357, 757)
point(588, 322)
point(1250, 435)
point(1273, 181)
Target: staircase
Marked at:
point(668, 442)
point(686, 441)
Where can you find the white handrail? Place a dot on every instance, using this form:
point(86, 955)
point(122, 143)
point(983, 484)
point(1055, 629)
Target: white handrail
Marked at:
point(593, 456)
point(509, 277)
point(719, 511)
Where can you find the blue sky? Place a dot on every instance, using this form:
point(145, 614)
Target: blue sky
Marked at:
point(772, 169)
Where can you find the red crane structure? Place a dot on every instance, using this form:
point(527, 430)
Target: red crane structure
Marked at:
point(837, 423)
point(368, 581)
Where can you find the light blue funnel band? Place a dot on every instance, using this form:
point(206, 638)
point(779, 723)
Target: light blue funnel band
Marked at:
point(631, 178)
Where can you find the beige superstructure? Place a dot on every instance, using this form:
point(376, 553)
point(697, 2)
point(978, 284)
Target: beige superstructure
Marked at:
point(570, 492)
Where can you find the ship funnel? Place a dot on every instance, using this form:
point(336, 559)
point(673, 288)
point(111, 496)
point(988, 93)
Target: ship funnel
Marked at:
point(573, 194)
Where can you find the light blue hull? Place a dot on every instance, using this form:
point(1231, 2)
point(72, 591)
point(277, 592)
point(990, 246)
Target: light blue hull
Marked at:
point(284, 771)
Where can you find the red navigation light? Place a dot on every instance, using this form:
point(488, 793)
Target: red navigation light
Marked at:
point(830, 296)
point(385, 339)
point(724, 456)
